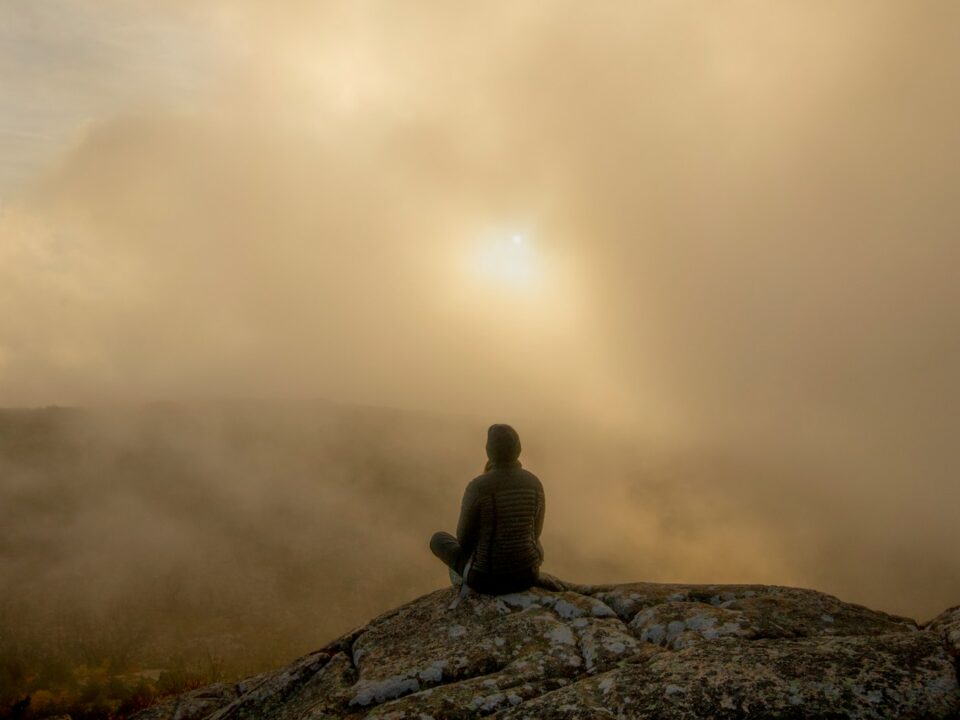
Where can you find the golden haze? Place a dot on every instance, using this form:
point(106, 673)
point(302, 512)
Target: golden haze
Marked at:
point(738, 361)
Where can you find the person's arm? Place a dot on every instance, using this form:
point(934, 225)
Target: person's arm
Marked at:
point(468, 526)
point(538, 523)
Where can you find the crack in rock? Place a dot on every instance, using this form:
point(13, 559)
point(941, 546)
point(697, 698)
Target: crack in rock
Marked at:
point(277, 689)
point(481, 695)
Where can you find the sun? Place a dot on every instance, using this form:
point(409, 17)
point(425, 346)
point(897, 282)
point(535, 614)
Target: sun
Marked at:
point(508, 261)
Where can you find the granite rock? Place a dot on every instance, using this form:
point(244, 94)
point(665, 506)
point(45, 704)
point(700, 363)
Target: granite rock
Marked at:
point(641, 650)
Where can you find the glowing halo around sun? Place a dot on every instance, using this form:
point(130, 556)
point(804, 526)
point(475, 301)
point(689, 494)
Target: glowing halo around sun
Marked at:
point(508, 261)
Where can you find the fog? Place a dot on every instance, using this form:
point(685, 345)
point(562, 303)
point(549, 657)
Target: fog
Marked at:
point(701, 255)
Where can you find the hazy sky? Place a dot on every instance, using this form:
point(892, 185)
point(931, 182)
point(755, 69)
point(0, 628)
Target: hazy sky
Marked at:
point(736, 223)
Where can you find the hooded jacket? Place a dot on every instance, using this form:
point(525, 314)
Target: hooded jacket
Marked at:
point(502, 512)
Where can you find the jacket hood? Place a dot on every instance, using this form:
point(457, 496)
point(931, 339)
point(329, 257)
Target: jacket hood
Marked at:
point(503, 444)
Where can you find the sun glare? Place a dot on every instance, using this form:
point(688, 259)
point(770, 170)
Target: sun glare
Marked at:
point(507, 261)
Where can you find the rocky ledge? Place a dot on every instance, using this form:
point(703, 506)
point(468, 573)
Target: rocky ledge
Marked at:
point(640, 650)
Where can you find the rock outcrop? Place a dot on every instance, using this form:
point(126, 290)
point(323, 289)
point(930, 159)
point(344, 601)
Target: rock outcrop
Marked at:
point(641, 650)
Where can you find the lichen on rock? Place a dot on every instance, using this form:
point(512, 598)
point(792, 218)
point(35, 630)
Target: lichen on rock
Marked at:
point(642, 650)
point(947, 626)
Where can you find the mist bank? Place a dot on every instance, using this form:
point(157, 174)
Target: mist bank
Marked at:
point(319, 514)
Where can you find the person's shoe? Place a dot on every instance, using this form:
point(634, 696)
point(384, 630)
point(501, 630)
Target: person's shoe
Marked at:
point(460, 590)
point(549, 582)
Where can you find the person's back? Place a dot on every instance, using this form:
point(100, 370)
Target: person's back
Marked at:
point(501, 517)
point(501, 524)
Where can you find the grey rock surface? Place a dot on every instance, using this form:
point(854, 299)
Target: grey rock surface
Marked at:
point(641, 650)
point(947, 626)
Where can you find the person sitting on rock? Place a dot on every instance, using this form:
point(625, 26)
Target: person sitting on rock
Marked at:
point(497, 548)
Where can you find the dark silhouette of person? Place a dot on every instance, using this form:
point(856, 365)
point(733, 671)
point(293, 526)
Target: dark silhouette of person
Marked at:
point(497, 548)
